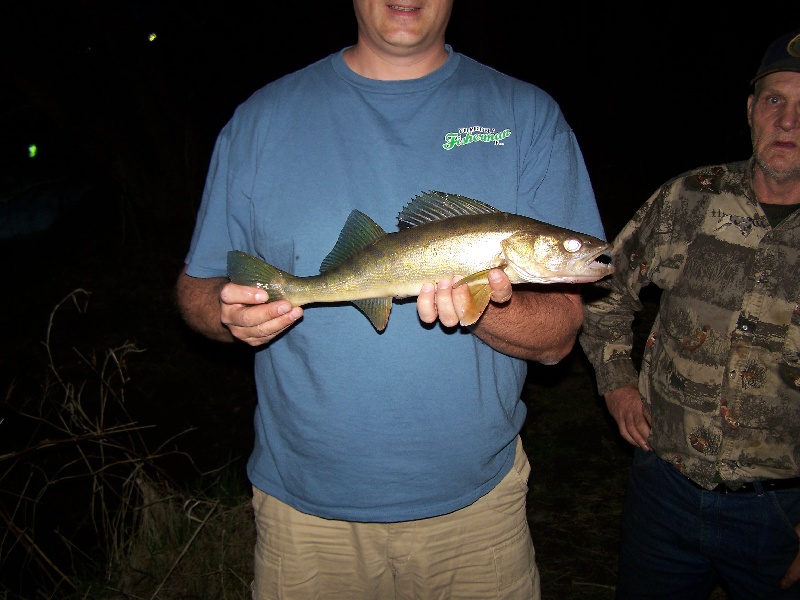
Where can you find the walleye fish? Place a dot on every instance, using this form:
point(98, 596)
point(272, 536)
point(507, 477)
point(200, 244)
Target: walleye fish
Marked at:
point(441, 236)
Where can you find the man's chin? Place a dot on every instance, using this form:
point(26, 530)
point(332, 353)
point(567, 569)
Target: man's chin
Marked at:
point(781, 168)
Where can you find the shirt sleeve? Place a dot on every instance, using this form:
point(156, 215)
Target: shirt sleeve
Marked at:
point(224, 217)
point(553, 173)
point(607, 334)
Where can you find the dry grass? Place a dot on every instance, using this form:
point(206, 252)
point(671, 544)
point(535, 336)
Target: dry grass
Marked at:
point(576, 483)
point(89, 507)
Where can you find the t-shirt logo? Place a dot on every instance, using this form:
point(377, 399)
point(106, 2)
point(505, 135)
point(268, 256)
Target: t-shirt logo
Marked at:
point(476, 133)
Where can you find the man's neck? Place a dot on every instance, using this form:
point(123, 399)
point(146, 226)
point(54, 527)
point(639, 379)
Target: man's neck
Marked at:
point(373, 64)
point(772, 191)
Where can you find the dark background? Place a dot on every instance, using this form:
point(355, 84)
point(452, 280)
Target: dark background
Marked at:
point(125, 127)
point(650, 91)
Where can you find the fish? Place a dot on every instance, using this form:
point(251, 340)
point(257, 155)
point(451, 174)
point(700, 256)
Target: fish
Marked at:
point(440, 236)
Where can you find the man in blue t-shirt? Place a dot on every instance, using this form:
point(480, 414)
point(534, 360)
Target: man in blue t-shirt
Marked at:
point(387, 464)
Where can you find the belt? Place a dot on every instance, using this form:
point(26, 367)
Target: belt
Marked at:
point(754, 487)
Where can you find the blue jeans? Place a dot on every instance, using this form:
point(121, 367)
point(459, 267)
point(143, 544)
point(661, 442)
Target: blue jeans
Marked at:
point(678, 541)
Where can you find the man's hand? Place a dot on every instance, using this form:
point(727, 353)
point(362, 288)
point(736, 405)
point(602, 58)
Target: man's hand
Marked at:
point(448, 304)
point(248, 315)
point(793, 572)
point(626, 406)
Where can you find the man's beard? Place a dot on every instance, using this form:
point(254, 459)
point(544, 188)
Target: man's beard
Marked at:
point(779, 176)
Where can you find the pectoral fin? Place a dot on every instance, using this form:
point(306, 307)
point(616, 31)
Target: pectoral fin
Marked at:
point(480, 293)
point(377, 311)
point(481, 277)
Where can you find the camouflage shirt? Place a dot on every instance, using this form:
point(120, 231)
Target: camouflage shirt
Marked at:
point(720, 372)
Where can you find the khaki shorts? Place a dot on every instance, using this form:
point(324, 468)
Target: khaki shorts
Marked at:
point(483, 551)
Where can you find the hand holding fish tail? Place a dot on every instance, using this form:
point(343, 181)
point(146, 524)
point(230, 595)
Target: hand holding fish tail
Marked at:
point(224, 311)
point(251, 318)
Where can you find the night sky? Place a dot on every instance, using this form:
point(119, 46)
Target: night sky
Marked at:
point(650, 91)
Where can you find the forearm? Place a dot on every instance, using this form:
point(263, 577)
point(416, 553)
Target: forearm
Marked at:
point(533, 325)
point(199, 304)
point(607, 339)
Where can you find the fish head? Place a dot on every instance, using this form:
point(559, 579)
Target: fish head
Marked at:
point(555, 255)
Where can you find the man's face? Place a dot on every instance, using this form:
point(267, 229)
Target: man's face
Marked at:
point(774, 118)
point(402, 27)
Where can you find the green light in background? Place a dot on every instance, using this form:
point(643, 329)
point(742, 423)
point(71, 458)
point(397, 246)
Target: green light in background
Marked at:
point(151, 37)
point(33, 150)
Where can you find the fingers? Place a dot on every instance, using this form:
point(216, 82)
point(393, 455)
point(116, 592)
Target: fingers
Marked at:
point(501, 286)
point(426, 303)
point(250, 318)
point(633, 420)
point(437, 302)
point(242, 294)
point(448, 303)
point(793, 572)
point(445, 304)
point(257, 325)
point(635, 430)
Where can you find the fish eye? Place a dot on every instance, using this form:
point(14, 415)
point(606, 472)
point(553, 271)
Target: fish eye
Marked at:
point(572, 244)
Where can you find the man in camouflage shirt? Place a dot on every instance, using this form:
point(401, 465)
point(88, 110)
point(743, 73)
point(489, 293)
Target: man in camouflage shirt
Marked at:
point(714, 491)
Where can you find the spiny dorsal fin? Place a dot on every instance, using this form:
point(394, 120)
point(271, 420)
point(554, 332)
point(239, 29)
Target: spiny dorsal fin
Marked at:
point(435, 206)
point(359, 231)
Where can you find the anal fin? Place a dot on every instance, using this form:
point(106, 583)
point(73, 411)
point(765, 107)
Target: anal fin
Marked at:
point(377, 310)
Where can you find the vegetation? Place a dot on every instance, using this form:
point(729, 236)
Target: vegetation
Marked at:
point(91, 509)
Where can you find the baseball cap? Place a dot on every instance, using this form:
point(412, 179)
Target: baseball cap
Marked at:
point(782, 55)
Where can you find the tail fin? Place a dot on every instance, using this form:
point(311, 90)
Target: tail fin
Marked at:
point(246, 269)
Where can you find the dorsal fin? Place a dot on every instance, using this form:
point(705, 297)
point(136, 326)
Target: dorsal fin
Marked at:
point(359, 231)
point(435, 206)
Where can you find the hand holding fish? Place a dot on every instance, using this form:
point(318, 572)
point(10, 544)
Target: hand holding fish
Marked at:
point(448, 302)
point(251, 317)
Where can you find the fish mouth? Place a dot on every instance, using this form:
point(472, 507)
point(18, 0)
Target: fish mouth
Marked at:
point(593, 266)
point(584, 269)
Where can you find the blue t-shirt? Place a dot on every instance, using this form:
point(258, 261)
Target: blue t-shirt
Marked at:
point(416, 421)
